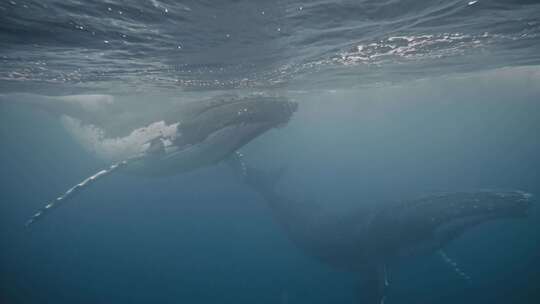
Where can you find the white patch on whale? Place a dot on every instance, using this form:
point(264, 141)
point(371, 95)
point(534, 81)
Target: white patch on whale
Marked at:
point(94, 139)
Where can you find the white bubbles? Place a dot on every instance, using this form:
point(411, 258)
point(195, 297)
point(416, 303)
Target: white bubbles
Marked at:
point(94, 139)
point(159, 6)
point(412, 47)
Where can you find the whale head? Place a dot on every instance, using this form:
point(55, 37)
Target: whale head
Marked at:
point(427, 224)
point(211, 131)
point(470, 209)
point(246, 117)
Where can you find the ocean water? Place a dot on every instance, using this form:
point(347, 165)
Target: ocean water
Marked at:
point(396, 99)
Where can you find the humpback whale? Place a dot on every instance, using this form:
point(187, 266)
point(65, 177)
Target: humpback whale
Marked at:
point(158, 141)
point(367, 242)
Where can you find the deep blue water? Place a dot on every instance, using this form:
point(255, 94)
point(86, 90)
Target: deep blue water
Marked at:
point(397, 99)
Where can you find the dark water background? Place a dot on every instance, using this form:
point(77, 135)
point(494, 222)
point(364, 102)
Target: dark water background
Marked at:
point(397, 98)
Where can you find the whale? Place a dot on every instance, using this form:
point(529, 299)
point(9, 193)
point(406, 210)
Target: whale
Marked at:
point(368, 242)
point(155, 138)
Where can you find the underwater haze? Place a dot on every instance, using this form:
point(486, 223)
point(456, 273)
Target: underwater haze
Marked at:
point(359, 105)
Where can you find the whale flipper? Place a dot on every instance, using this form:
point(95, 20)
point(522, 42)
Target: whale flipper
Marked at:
point(74, 190)
point(375, 285)
point(237, 164)
point(455, 267)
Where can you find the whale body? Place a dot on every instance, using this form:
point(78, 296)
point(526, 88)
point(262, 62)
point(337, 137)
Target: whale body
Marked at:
point(157, 140)
point(367, 242)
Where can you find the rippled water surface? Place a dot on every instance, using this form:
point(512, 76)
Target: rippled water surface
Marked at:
point(259, 44)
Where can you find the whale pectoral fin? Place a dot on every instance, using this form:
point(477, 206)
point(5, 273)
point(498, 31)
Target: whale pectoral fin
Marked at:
point(382, 273)
point(74, 190)
point(375, 285)
point(454, 266)
point(237, 164)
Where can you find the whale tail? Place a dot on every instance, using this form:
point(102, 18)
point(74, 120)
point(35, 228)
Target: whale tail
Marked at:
point(71, 192)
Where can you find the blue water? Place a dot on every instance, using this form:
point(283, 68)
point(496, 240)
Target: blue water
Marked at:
point(397, 99)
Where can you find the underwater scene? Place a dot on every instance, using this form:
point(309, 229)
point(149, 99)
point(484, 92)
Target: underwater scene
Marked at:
point(279, 152)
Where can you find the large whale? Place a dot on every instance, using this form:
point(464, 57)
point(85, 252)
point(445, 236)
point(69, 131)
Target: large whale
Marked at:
point(157, 139)
point(367, 242)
